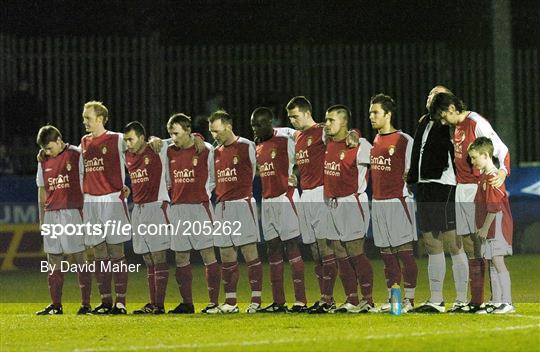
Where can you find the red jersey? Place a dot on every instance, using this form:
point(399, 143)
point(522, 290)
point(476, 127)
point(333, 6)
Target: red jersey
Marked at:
point(390, 160)
point(465, 133)
point(147, 172)
point(103, 163)
point(62, 178)
point(345, 169)
point(275, 160)
point(191, 175)
point(234, 170)
point(490, 199)
point(310, 148)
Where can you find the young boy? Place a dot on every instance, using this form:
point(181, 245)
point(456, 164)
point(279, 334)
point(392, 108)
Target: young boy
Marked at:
point(494, 224)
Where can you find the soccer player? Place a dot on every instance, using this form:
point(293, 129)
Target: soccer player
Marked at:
point(432, 170)
point(148, 172)
point(105, 205)
point(469, 125)
point(394, 225)
point(192, 181)
point(236, 212)
point(275, 161)
point(313, 213)
point(494, 223)
point(60, 201)
point(345, 182)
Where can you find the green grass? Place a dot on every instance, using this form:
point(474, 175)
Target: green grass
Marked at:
point(23, 293)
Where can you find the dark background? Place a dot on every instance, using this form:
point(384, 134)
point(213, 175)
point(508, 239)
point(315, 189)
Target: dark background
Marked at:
point(462, 23)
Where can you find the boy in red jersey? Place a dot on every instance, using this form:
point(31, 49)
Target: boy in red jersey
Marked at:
point(59, 179)
point(148, 172)
point(394, 224)
point(275, 161)
point(469, 125)
point(494, 223)
point(345, 182)
point(236, 211)
point(192, 182)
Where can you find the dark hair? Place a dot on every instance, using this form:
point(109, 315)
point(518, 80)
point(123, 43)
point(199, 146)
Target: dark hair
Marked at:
point(47, 134)
point(340, 108)
point(137, 127)
point(263, 111)
point(181, 119)
point(442, 101)
point(221, 115)
point(482, 145)
point(388, 104)
point(299, 102)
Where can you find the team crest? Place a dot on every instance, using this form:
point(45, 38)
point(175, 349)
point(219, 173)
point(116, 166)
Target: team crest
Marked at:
point(342, 155)
point(391, 150)
point(235, 159)
point(104, 149)
point(484, 186)
point(460, 137)
point(309, 141)
point(68, 166)
point(273, 153)
point(195, 160)
point(146, 160)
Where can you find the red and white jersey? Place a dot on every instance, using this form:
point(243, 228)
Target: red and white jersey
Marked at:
point(465, 133)
point(310, 149)
point(148, 174)
point(345, 169)
point(104, 162)
point(275, 160)
point(234, 170)
point(390, 160)
point(491, 199)
point(62, 178)
point(191, 175)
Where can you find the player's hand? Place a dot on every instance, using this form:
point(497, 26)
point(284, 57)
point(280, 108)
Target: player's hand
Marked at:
point(41, 155)
point(198, 142)
point(352, 139)
point(482, 233)
point(125, 192)
point(293, 181)
point(155, 143)
point(499, 179)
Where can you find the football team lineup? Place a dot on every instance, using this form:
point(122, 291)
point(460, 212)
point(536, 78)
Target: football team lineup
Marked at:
point(460, 200)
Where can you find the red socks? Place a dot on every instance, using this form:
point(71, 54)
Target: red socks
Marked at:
point(229, 272)
point(184, 278)
point(348, 279)
point(392, 270)
point(161, 277)
point(297, 268)
point(329, 277)
point(409, 270)
point(255, 275)
point(120, 280)
point(56, 282)
point(477, 269)
point(213, 279)
point(85, 285)
point(104, 280)
point(150, 277)
point(364, 272)
point(276, 277)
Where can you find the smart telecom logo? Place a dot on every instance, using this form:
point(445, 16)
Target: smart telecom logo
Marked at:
point(302, 157)
point(139, 176)
point(94, 165)
point(332, 169)
point(59, 182)
point(267, 169)
point(381, 163)
point(184, 176)
point(227, 175)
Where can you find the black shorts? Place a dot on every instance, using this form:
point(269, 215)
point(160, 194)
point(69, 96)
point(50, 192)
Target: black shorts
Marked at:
point(436, 208)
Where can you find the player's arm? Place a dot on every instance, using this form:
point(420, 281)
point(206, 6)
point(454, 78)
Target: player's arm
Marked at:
point(494, 197)
point(42, 195)
point(500, 151)
point(483, 231)
point(211, 175)
point(408, 155)
point(253, 157)
point(287, 131)
point(364, 150)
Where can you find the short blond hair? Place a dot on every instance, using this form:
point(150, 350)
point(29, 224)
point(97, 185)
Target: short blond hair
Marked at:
point(99, 109)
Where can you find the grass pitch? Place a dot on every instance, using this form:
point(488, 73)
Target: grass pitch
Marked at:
point(23, 293)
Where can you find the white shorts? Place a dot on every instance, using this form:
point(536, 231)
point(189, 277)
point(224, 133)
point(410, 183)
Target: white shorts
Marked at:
point(279, 217)
point(193, 226)
point(149, 224)
point(465, 213)
point(241, 216)
point(394, 222)
point(349, 217)
point(70, 240)
point(100, 209)
point(313, 215)
point(497, 245)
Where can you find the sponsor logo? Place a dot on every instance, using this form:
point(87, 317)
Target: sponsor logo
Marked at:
point(94, 165)
point(302, 157)
point(58, 182)
point(381, 163)
point(267, 169)
point(139, 176)
point(332, 169)
point(227, 175)
point(184, 176)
